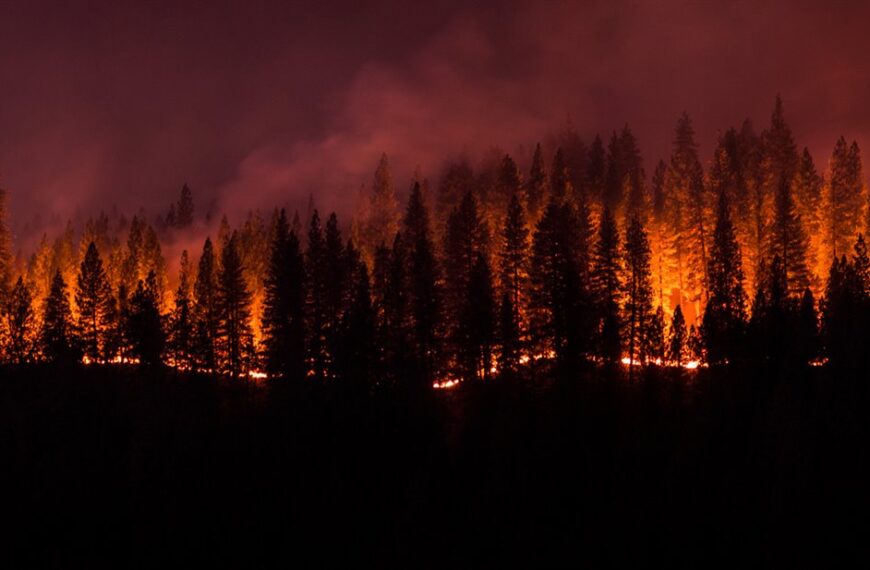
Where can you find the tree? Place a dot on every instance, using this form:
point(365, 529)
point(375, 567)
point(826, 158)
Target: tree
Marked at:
point(283, 307)
point(19, 321)
point(382, 220)
point(560, 178)
point(5, 250)
point(57, 335)
point(607, 289)
point(559, 290)
point(514, 256)
point(355, 357)
point(181, 331)
point(808, 191)
point(678, 342)
point(788, 241)
point(467, 237)
point(425, 295)
point(638, 298)
point(205, 314)
point(536, 185)
point(844, 198)
point(479, 321)
point(842, 338)
point(93, 298)
point(184, 209)
point(233, 304)
point(317, 356)
point(144, 323)
point(725, 313)
point(508, 336)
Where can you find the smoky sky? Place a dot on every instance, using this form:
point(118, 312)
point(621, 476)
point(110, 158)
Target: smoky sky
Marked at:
point(255, 104)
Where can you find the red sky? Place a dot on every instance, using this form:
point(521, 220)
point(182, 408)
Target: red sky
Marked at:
point(257, 103)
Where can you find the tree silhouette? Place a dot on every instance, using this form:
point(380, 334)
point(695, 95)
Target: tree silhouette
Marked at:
point(607, 289)
point(205, 315)
point(283, 307)
point(180, 326)
point(638, 298)
point(514, 256)
point(57, 336)
point(19, 317)
point(233, 304)
point(94, 302)
point(144, 324)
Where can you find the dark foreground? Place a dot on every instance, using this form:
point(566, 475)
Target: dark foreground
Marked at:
point(137, 468)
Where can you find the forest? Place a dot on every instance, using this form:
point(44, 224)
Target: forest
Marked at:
point(678, 357)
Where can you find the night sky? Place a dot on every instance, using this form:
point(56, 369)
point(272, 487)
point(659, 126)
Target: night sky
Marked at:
point(256, 104)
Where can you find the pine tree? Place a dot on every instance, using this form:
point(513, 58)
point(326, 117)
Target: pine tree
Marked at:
point(559, 290)
point(678, 342)
point(233, 304)
point(283, 312)
point(596, 170)
point(688, 208)
point(466, 237)
point(842, 339)
point(479, 322)
point(654, 342)
point(425, 295)
point(205, 317)
point(315, 300)
point(356, 357)
point(144, 324)
point(844, 199)
point(725, 313)
point(607, 289)
point(560, 178)
point(181, 332)
point(19, 322)
point(638, 299)
point(510, 346)
point(788, 241)
point(382, 221)
point(184, 209)
point(94, 301)
point(508, 185)
point(780, 154)
point(57, 335)
point(536, 185)
point(514, 256)
point(808, 192)
point(5, 250)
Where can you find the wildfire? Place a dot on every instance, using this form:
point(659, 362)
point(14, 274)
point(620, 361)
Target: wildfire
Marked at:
point(446, 384)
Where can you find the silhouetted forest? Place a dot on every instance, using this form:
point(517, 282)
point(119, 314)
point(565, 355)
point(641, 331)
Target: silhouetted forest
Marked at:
point(563, 362)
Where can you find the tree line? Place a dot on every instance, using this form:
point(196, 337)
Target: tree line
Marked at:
point(756, 259)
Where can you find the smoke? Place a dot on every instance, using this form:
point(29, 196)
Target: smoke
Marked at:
point(264, 105)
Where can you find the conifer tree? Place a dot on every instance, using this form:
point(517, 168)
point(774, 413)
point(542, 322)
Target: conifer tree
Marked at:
point(808, 192)
point(654, 342)
point(508, 336)
point(508, 185)
point(514, 262)
point(678, 341)
point(315, 300)
point(725, 313)
point(356, 357)
point(466, 237)
point(780, 154)
point(283, 315)
point(19, 322)
point(607, 289)
point(559, 290)
point(596, 170)
point(478, 322)
point(382, 221)
point(638, 298)
point(560, 178)
point(844, 199)
point(57, 335)
point(536, 185)
point(205, 316)
point(94, 302)
point(788, 241)
point(840, 323)
point(425, 296)
point(144, 323)
point(180, 329)
point(233, 304)
point(184, 209)
point(5, 250)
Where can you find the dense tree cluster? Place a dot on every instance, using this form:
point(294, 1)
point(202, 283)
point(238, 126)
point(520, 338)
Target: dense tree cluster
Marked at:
point(576, 260)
